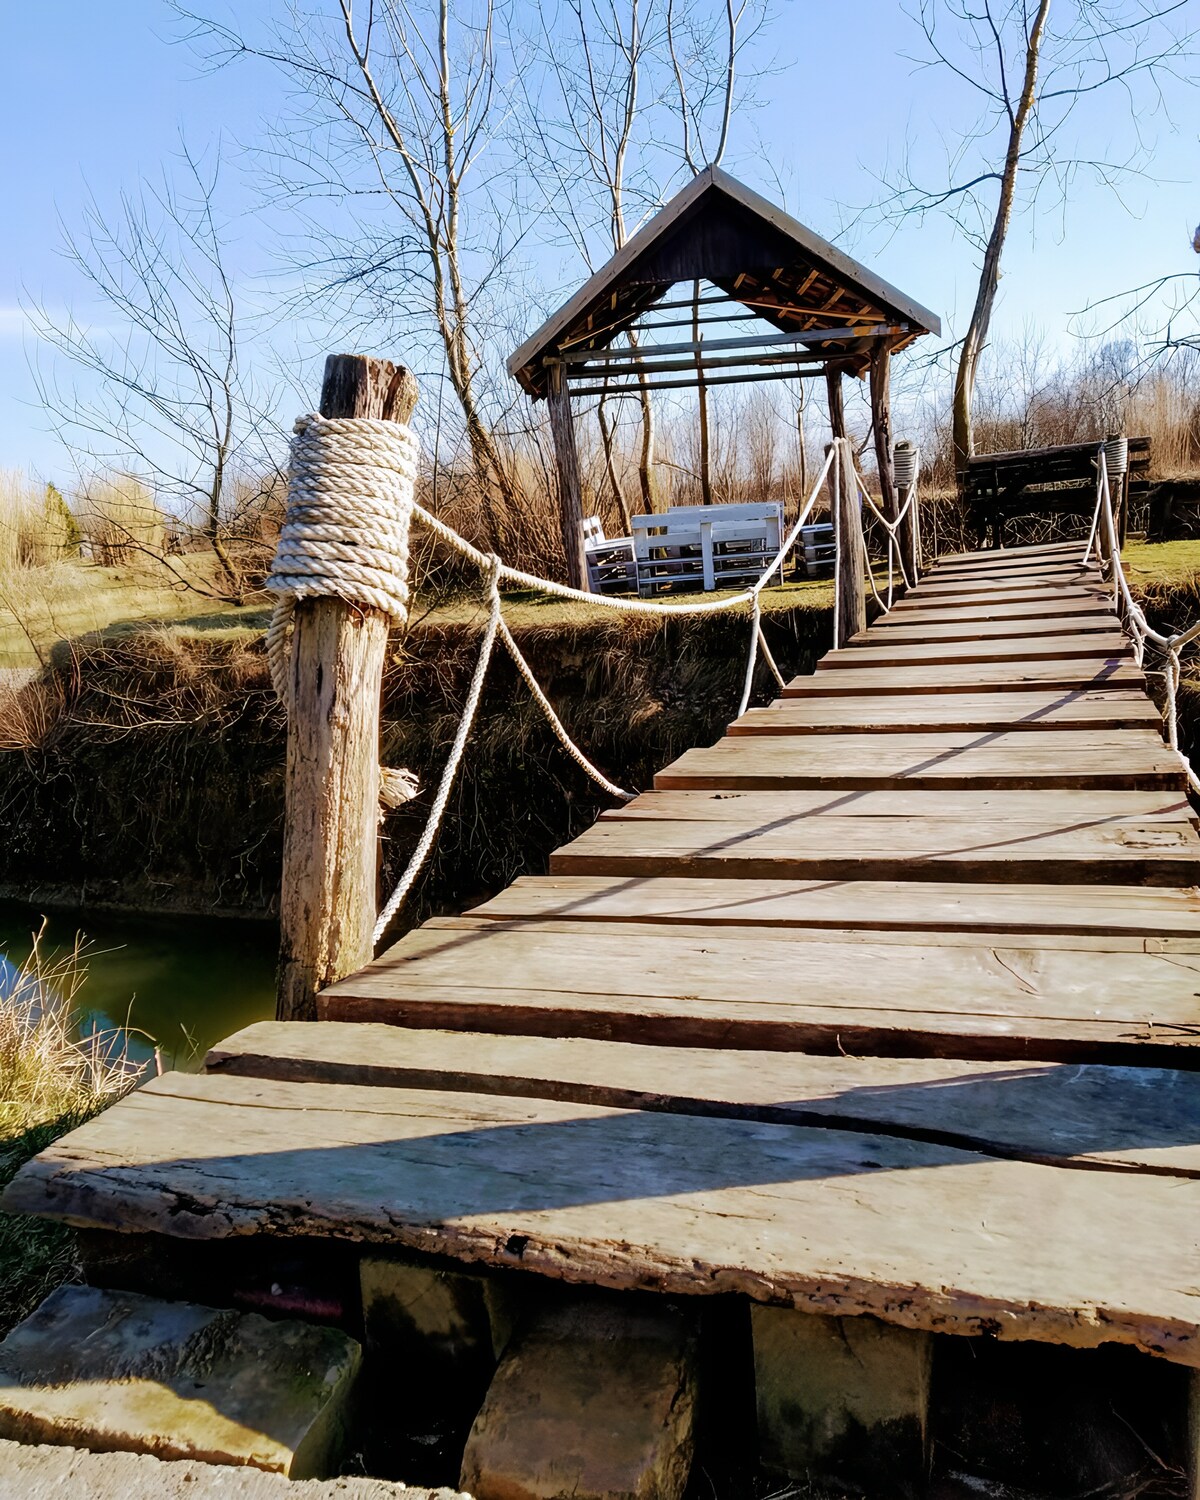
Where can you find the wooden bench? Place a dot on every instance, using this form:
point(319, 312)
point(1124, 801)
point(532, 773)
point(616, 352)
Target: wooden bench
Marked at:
point(709, 547)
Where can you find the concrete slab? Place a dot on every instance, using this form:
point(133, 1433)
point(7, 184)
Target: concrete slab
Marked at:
point(593, 1399)
point(109, 1370)
point(54, 1473)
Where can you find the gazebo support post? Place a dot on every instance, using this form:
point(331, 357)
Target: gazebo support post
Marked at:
point(837, 409)
point(566, 455)
point(881, 417)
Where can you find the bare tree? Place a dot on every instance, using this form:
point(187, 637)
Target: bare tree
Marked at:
point(399, 101)
point(164, 392)
point(1031, 65)
point(622, 101)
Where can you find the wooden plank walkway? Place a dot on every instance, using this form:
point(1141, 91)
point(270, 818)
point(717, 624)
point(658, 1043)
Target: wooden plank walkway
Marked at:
point(887, 1003)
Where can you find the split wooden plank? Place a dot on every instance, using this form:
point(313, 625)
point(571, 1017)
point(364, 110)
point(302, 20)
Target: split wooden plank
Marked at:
point(1018, 649)
point(996, 676)
point(865, 848)
point(1065, 808)
point(888, 632)
point(831, 1221)
point(1111, 709)
point(794, 991)
point(1116, 759)
point(901, 906)
point(1062, 1114)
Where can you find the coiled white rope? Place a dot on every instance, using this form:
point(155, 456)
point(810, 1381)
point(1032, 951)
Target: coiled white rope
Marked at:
point(1133, 616)
point(345, 536)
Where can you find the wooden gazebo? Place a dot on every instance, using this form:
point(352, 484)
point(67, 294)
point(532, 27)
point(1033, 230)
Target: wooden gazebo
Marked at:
point(821, 313)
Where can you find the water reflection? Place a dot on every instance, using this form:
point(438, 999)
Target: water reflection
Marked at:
point(181, 983)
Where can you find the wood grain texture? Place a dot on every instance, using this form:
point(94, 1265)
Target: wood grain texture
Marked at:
point(893, 632)
point(1132, 759)
point(1065, 808)
point(867, 848)
point(1067, 1115)
point(1112, 708)
point(795, 991)
point(1020, 649)
point(992, 677)
point(833, 1221)
point(1114, 914)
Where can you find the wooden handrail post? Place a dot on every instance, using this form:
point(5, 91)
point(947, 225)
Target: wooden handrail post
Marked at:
point(850, 594)
point(329, 896)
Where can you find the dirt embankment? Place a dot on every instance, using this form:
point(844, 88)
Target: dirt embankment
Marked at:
point(150, 776)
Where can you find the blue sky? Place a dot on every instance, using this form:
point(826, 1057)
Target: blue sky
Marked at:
point(93, 98)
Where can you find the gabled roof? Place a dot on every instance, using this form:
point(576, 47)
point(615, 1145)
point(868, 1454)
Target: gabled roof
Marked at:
point(718, 230)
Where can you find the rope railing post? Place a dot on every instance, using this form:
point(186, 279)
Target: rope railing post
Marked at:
point(332, 683)
point(850, 603)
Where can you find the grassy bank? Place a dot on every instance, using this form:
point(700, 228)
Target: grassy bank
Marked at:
point(50, 1081)
point(147, 762)
point(150, 772)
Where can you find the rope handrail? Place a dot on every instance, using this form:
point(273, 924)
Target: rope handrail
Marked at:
point(1133, 616)
point(350, 505)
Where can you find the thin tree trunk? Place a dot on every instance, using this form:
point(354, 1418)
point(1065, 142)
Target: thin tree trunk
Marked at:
point(989, 274)
point(706, 493)
point(610, 467)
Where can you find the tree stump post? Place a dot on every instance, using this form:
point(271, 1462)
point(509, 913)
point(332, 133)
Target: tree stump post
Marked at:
point(850, 600)
point(329, 896)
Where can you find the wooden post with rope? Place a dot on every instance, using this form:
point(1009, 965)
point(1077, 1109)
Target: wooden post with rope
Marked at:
point(329, 896)
point(850, 600)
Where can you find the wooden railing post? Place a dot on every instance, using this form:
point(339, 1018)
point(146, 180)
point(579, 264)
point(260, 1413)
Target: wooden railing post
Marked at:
point(329, 896)
point(851, 600)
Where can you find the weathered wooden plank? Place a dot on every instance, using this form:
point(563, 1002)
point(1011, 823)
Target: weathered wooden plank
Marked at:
point(1013, 596)
point(996, 676)
point(1070, 550)
point(907, 611)
point(795, 991)
point(1017, 649)
point(889, 632)
point(949, 588)
point(832, 1221)
point(1026, 567)
point(1043, 758)
point(1063, 1114)
point(1063, 808)
point(1111, 709)
point(1110, 913)
point(866, 848)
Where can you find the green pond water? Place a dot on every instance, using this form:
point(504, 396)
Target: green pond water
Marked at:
point(179, 984)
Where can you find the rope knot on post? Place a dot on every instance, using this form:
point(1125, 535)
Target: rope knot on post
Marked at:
point(345, 531)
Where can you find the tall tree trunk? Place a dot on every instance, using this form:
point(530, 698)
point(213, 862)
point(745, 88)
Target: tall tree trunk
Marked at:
point(610, 467)
point(989, 273)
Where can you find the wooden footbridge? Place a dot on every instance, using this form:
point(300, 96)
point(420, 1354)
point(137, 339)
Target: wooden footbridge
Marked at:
point(886, 1003)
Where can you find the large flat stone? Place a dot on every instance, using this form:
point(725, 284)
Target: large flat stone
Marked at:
point(594, 1400)
point(846, 1398)
point(55, 1473)
point(109, 1370)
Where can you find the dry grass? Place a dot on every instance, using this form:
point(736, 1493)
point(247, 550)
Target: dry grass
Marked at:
point(42, 606)
point(36, 525)
point(120, 520)
point(52, 1078)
